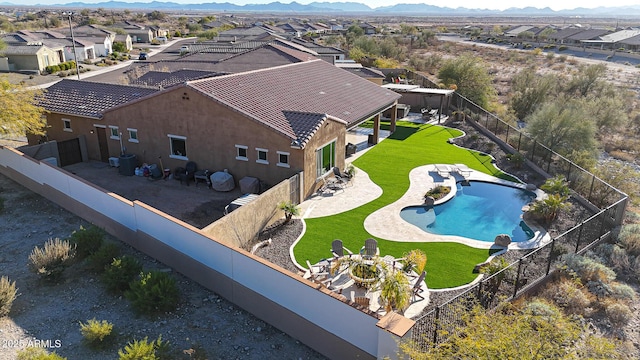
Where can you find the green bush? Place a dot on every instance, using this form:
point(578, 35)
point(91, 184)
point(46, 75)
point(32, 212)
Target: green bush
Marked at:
point(145, 350)
point(96, 332)
point(588, 269)
point(154, 292)
point(120, 273)
point(562, 48)
point(629, 238)
point(37, 353)
point(622, 292)
point(50, 261)
point(8, 293)
point(87, 240)
point(99, 260)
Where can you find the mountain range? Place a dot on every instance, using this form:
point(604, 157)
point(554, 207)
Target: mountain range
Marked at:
point(352, 7)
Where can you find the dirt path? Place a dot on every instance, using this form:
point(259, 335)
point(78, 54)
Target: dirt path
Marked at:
point(50, 314)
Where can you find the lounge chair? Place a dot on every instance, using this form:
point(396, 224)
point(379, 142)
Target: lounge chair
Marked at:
point(417, 287)
point(370, 248)
point(338, 249)
point(362, 301)
point(463, 170)
point(443, 170)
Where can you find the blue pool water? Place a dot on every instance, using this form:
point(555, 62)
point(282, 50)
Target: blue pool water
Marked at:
point(479, 211)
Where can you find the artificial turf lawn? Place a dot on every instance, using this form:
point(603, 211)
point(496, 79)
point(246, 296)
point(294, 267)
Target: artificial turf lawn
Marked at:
point(388, 165)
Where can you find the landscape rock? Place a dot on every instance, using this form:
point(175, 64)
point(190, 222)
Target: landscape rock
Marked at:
point(502, 240)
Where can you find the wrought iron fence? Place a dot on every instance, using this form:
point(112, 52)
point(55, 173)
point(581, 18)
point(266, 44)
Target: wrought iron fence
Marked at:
point(534, 267)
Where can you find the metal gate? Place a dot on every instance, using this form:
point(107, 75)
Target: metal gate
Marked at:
point(294, 189)
point(69, 152)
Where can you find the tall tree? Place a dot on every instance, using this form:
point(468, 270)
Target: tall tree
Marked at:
point(564, 126)
point(19, 113)
point(470, 77)
point(530, 90)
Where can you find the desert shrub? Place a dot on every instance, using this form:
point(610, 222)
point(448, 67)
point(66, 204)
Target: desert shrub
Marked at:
point(618, 314)
point(562, 48)
point(8, 293)
point(629, 238)
point(96, 332)
point(99, 260)
point(588, 269)
point(540, 307)
point(87, 240)
point(119, 274)
point(568, 295)
point(37, 353)
point(557, 185)
point(599, 288)
point(50, 261)
point(177, 34)
point(559, 250)
point(154, 292)
point(622, 292)
point(619, 258)
point(63, 74)
point(143, 349)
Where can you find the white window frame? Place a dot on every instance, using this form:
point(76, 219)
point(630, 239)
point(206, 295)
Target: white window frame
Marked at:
point(281, 164)
point(177, 137)
point(319, 160)
point(246, 151)
point(111, 136)
point(260, 161)
point(133, 131)
point(64, 125)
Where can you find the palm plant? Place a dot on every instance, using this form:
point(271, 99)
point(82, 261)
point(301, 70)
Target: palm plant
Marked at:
point(556, 185)
point(290, 210)
point(550, 207)
point(395, 291)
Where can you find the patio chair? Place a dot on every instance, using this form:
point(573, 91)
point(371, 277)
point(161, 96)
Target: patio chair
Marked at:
point(362, 301)
point(316, 272)
point(341, 177)
point(370, 248)
point(187, 173)
point(338, 249)
point(417, 287)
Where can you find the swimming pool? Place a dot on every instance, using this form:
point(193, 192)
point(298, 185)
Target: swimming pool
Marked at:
point(479, 211)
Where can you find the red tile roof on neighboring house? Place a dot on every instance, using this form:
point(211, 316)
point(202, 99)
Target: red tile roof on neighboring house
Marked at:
point(89, 99)
point(313, 87)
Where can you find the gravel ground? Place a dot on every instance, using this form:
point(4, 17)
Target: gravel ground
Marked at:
point(50, 313)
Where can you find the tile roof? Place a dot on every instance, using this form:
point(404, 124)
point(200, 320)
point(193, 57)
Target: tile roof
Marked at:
point(13, 49)
point(565, 33)
point(634, 40)
point(364, 72)
point(167, 79)
point(304, 125)
point(89, 99)
point(315, 87)
point(588, 34)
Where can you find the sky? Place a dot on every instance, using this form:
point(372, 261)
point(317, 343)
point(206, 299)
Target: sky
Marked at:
point(471, 4)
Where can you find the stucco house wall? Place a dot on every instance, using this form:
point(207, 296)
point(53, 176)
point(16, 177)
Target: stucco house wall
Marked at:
point(212, 132)
point(79, 126)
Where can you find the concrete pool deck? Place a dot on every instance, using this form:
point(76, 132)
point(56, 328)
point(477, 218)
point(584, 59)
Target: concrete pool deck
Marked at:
point(386, 222)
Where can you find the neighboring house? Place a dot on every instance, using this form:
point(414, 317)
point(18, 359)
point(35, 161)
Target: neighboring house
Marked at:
point(125, 39)
point(326, 52)
point(632, 43)
point(373, 75)
point(514, 32)
point(85, 49)
point(269, 123)
point(368, 28)
point(30, 57)
point(91, 30)
point(140, 35)
point(560, 36)
point(255, 33)
point(102, 45)
point(591, 34)
point(611, 41)
point(26, 52)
